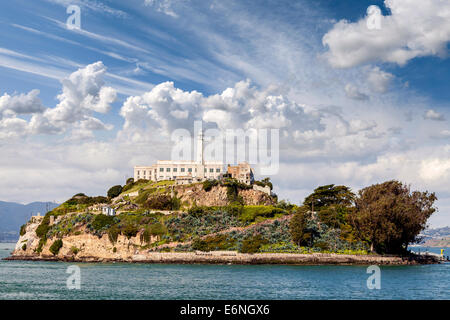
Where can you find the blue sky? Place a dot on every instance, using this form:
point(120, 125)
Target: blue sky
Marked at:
point(374, 105)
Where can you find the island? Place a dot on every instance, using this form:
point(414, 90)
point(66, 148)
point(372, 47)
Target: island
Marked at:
point(226, 221)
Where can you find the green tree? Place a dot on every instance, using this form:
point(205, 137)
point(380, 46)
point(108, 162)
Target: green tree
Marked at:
point(298, 225)
point(114, 191)
point(389, 216)
point(329, 195)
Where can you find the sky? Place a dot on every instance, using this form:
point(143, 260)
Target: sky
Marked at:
point(359, 96)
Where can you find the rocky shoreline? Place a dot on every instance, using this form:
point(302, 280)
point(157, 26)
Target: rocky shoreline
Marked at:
point(239, 258)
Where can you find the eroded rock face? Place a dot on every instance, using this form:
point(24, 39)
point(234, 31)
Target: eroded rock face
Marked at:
point(86, 245)
point(217, 196)
point(254, 197)
point(29, 239)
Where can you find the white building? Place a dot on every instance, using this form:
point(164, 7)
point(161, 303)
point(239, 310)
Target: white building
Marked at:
point(171, 170)
point(184, 171)
point(108, 211)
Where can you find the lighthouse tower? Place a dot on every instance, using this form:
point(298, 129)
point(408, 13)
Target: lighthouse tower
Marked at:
point(200, 157)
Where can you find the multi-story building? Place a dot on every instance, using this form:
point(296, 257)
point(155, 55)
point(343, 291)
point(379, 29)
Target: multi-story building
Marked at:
point(242, 172)
point(186, 171)
point(182, 171)
point(171, 170)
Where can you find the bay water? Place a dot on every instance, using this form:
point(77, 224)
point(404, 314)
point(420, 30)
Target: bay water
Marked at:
point(48, 280)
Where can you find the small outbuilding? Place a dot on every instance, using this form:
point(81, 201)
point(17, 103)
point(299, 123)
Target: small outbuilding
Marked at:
point(108, 211)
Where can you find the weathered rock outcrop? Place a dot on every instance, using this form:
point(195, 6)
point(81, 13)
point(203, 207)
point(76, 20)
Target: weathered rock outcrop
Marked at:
point(78, 247)
point(217, 196)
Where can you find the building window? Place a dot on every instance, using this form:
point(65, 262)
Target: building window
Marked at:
point(211, 170)
point(182, 169)
point(138, 173)
point(218, 170)
point(189, 169)
point(175, 169)
point(205, 169)
point(161, 169)
point(168, 169)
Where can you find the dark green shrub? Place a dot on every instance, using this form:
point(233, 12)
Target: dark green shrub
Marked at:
point(102, 221)
point(56, 246)
point(146, 235)
point(41, 244)
point(159, 202)
point(200, 245)
point(44, 227)
point(176, 203)
point(114, 249)
point(218, 242)
point(195, 211)
point(23, 229)
point(74, 250)
point(130, 231)
point(130, 181)
point(79, 195)
point(252, 245)
point(99, 199)
point(114, 191)
point(113, 234)
point(158, 229)
point(235, 210)
point(209, 184)
point(24, 247)
point(322, 245)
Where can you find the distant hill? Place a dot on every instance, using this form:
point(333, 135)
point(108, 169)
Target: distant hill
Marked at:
point(435, 234)
point(13, 215)
point(442, 242)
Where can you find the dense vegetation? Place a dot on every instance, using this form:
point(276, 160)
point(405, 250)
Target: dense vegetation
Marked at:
point(382, 218)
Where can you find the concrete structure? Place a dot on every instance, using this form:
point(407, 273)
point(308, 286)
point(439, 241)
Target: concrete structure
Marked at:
point(171, 170)
point(108, 211)
point(182, 171)
point(187, 172)
point(242, 172)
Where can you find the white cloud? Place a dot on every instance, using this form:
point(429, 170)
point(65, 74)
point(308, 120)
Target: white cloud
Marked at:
point(305, 131)
point(379, 80)
point(415, 28)
point(444, 134)
point(163, 6)
point(12, 128)
point(83, 94)
point(433, 115)
point(21, 104)
point(353, 92)
point(166, 108)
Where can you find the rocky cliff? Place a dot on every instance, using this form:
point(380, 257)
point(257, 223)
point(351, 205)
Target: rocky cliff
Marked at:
point(81, 246)
point(218, 196)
